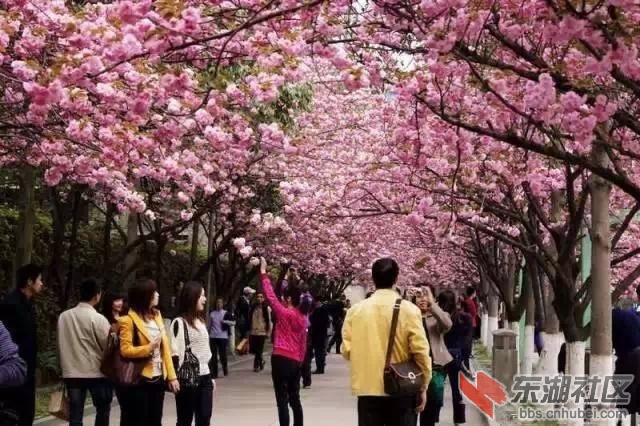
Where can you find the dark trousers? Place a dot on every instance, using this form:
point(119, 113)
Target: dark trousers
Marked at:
point(144, 403)
point(320, 354)
point(387, 411)
point(101, 393)
point(431, 414)
point(336, 339)
point(285, 374)
point(120, 396)
point(23, 401)
point(219, 348)
point(466, 356)
point(306, 366)
point(196, 402)
point(256, 345)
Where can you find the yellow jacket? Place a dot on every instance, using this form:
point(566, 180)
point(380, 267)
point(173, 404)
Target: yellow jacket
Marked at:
point(365, 334)
point(144, 350)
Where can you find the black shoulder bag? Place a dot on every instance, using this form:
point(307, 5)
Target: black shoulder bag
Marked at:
point(405, 378)
point(189, 372)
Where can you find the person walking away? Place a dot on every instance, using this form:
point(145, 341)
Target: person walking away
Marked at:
point(220, 323)
point(189, 332)
point(470, 306)
point(113, 307)
point(625, 339)
point(289, 347)
point(143, 336)
point(365, 334)
point(13, 372)
point(83, 335)
point(338, 312)
point(320, 322)
point(18, 315)
point(243, 309)
point(259, 326)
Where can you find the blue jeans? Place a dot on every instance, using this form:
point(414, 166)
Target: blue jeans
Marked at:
point(101, 395)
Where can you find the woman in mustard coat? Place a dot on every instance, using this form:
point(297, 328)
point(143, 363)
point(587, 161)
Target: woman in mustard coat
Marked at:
point(143, 335)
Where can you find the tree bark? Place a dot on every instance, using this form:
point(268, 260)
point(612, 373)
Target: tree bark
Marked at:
point(132, 257)
point(195, 236)
point(26, 219)
point(492, 323)
point(529, 330)
point(601, 360)
point(106, 244)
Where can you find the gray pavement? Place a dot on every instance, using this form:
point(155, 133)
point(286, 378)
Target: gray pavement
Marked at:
point(246, 398)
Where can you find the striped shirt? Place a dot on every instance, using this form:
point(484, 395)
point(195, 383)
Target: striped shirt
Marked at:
point(12, 368)
point(199, 339)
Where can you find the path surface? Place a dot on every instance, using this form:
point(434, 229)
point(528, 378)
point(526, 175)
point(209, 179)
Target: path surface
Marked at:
point(246, 398)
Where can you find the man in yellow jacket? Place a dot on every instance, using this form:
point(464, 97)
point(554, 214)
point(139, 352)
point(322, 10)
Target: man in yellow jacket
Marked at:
point(365, 336)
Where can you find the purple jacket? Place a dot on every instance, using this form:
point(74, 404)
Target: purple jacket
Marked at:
point(12, 368)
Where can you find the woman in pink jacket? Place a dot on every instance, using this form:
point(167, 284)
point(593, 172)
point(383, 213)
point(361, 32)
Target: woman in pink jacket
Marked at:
point(289, 347)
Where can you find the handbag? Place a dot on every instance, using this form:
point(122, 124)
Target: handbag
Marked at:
point(189, 372)
point(59, 404)
point(405, 378)
point(243, 347)
point(120, 370)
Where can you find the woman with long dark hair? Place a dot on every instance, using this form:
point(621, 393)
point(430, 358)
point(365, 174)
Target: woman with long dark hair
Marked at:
point(289, 348)
point(143, 336)
point(449, 361)
point(113, 307)
point(189, 333)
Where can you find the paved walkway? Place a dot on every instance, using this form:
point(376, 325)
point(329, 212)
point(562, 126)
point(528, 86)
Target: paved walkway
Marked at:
point(246, 398)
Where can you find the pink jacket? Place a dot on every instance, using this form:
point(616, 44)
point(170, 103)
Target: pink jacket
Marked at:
point(291, 326)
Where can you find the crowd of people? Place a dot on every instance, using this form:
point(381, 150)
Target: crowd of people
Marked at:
point(183, 358)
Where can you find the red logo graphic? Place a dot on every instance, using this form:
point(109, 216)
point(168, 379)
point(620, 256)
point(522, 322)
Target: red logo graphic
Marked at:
point(485, 393)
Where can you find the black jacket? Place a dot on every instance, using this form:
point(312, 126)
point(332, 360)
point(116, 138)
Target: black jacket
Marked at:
point(320, 321)
point(18, 315)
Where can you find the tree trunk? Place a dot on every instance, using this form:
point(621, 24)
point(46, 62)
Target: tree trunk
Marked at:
point(529, 354)
point(26, 219)
point(210, 253)
point(132, 257)
point(73, 243)
point(601, 360)
point(195, 244)
point(492, 322)
point(575, 367)
point(552, 338)
point(484, 318)
point(106, 245)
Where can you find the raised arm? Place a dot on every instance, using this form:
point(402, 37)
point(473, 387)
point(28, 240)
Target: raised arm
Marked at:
point(443, 318)
point(270, 295)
